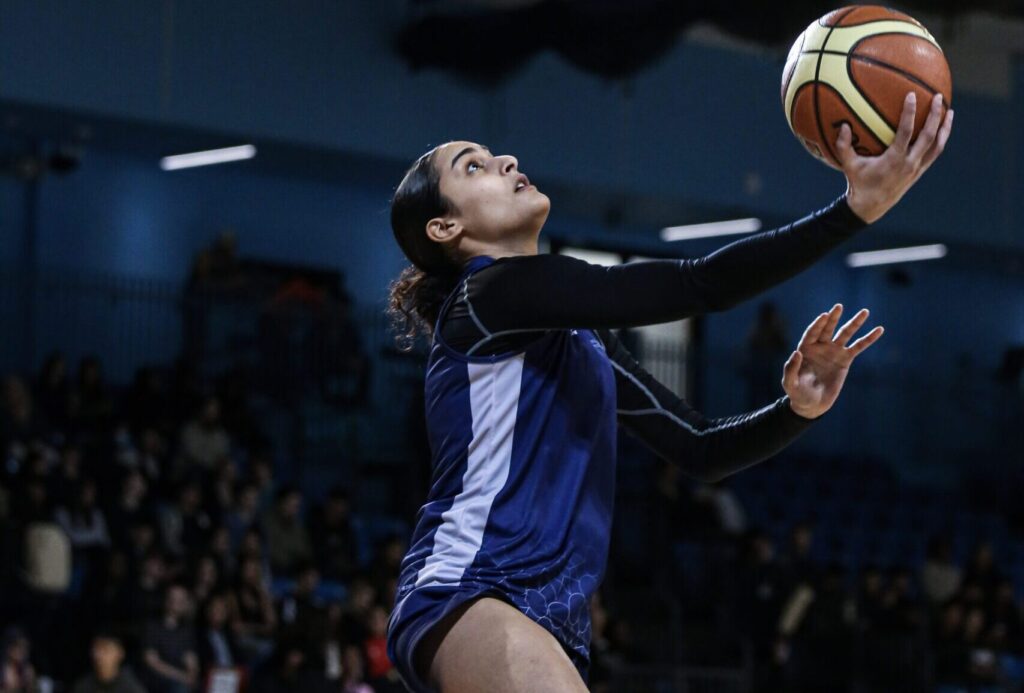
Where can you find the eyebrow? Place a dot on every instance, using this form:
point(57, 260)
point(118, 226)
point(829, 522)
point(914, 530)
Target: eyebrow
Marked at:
point(467, 150)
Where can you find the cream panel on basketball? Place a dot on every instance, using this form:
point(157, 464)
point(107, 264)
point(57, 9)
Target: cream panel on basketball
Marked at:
point(844, 38)
point(806, 63)
point(834, 73)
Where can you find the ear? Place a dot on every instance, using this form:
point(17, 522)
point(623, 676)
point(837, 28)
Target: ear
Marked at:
point(442, 230)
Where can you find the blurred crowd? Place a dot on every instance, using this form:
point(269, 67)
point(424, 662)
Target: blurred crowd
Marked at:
point(814, 622)
point(146, 543)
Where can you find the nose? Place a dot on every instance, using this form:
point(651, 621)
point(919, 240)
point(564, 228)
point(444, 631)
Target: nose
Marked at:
point(509, 164)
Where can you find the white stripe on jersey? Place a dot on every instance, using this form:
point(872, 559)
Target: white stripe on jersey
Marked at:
point(494, 401)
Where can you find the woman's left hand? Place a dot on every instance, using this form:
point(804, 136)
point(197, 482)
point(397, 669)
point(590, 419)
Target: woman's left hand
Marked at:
point(816, 371)
point(876, 183)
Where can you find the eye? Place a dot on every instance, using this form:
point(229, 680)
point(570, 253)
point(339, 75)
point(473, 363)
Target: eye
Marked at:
point(472, 166)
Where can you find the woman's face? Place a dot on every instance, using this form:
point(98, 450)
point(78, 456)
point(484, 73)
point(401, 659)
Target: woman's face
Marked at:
point(493, 201)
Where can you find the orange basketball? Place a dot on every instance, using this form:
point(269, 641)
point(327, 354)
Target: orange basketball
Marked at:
point(855, 65)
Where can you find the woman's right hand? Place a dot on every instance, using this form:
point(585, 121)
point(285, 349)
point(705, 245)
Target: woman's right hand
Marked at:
point(876, 183)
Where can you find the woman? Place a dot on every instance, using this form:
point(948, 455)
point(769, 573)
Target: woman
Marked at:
point(525, 384)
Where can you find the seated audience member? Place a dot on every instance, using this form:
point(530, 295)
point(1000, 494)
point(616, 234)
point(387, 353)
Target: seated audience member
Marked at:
point(108, 673)
point(288, 542)
point(204, 440)
point(940, 576)
point(352, 677)
point(169, 647)
point(17, 675)
point(252, 612)
point(216, 642)
point(83, 520)
point(92, 407)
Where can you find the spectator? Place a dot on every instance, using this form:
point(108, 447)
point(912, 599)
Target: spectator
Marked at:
point(66, 483)
point(152, 459)
point(352, 672)
point(261, 474)
point(53, 390)
point(767, 347)
point(222, 487)
point(216, 643)
point(870, 605)
point(288, 542)
point(334, 540)
point(724, 506)
point(982, 570)
point(185, 524)
point(819, 624)
point(951, 653)
point(291, 672)
point(387, 560)
point(130, 509)
point(304, 616)
point(362, 596)
point(147, 401)
point(169, 648)
point(83, 521)
point(253, 612)
point(20, 424)
point(983, 663)
point(940, 577)
point(797, 563)
point(762, 587)
point(375, 647)
point(244, 513)
point(207, 579)
point(146, 595)
point(108, 675)
point(92, 408)
point(1006, 627)
point(17, 675)
point(204, 440)
point(900, 613)
point(220, 550)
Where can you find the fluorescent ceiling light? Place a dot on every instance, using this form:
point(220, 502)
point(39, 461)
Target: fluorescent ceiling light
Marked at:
point(886, 257)
point(212, 156)
point(714, 228)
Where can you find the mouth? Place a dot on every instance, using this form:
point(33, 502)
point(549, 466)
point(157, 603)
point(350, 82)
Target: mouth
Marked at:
point(522, 183)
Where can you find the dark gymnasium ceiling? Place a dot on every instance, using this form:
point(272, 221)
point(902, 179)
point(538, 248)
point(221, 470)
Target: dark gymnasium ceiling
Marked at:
point(486, 41)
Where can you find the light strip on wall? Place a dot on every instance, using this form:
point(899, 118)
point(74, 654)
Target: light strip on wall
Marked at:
point(710, 229)
point(892, 255)
point(212, 156)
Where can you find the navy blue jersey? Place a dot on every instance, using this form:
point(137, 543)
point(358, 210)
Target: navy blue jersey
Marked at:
point(525, 388)
point(524, 474)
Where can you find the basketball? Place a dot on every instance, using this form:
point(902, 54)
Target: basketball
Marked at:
point(856, 65)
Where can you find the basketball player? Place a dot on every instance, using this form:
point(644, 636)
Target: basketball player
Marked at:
point(526, 384)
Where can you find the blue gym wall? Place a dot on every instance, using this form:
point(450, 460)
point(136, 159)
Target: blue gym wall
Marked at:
point(318, 72)
point(315, 73)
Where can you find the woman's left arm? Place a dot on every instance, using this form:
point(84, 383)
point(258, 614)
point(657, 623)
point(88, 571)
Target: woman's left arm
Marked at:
point(711, 449)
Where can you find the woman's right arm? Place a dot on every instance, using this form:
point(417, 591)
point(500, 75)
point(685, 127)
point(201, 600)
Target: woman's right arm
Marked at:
point(557, 292)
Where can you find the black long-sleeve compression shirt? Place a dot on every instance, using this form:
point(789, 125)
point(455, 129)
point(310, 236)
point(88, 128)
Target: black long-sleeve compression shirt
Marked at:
point(507, 304)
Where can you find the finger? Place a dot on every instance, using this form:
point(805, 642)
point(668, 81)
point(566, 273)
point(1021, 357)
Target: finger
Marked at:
point(791, 371)
point(940, 141)
point(833, 320)
point(851, 327)
point(906, 127)
point(844, 146)
point(858, 347)
point(926, 138)
point(814, 330)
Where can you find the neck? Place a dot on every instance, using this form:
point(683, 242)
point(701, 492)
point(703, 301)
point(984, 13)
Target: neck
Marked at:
point(513, 244)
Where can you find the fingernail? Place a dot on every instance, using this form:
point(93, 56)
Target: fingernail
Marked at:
point(911, 97)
